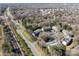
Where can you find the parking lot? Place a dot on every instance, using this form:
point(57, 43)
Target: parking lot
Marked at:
point(11, 40)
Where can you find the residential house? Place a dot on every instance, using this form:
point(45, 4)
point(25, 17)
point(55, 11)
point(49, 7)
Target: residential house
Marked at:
point(46, 28)
point(67, 40)
point(36, 32)
point(55, 28)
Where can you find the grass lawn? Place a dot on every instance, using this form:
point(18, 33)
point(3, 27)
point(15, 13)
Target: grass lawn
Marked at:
point(1, 42)
point(1, 52)
point(28, 36)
